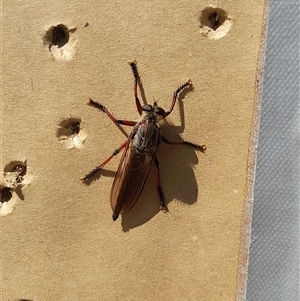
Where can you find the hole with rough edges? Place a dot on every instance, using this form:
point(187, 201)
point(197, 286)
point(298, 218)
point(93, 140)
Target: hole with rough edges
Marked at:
point(57, 35)
point(214, 22)
point(70, 133)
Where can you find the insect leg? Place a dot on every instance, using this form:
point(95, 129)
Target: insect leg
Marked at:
point(187, 84)
point(102, 108)
point(163, 206)
point(99, 167)
point(201, 148)
point(136, 81)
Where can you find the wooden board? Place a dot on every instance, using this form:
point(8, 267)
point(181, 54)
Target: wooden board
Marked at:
point(58, 239)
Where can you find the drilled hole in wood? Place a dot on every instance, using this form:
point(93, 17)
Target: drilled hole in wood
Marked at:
point(214, 22)
point(14, 173)
point(14, 179)
point(70, 134)
point(5, 194)
point(57, 35)
point(61, 42)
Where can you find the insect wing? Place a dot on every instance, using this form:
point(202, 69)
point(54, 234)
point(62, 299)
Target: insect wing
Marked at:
point(130, 179)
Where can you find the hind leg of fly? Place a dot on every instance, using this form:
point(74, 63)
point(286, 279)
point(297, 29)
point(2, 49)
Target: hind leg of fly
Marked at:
point(201, 148)
point(163, 206)
point(88, 176)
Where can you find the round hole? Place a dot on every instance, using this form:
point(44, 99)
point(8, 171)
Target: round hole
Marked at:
point(17, 167)
point(14, 173)
point(214, 22)
point(69, 127)
point(57, 35)
point(212, 17)
point(69, 133)
point(5, 194)
point(15, 178)
point(61, 42)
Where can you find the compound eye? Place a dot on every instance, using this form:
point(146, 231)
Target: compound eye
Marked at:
point(159, 111)
point(147, 108)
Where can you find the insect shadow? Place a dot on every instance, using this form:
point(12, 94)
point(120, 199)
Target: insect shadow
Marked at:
point(177, 179)
point(140, 155)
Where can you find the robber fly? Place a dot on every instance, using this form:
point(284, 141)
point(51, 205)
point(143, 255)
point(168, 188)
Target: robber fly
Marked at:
point(140, 151)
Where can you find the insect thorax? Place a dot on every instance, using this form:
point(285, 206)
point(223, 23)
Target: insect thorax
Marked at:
point(147, 135)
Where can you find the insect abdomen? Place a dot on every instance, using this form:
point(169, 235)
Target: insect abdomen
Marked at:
point(129, 181)
point(134, 167)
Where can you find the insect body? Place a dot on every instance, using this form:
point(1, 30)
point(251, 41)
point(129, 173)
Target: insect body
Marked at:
point(140, 152)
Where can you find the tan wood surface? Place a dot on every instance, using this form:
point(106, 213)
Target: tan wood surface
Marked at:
point(58, 239)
